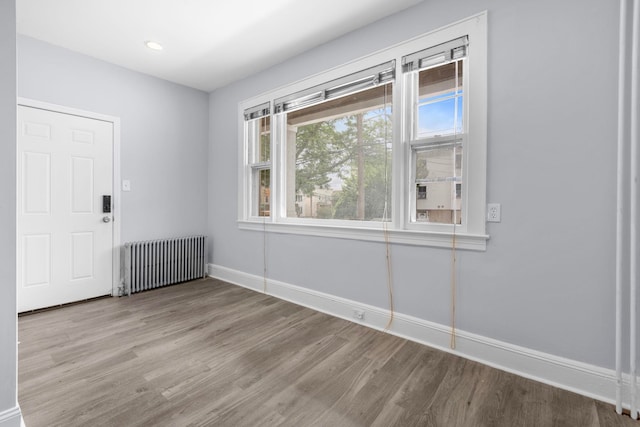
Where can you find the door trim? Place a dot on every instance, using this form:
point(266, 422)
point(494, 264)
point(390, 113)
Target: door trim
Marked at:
point(116, 211)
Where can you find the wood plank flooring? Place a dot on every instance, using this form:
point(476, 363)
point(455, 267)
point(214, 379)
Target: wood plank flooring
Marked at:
point(207, 353)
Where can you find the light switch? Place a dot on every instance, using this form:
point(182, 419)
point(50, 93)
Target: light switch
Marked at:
point(126, 185)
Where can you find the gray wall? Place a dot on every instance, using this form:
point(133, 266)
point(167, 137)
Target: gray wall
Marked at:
point(164, 133)
point(546, 280)
point(8, 341)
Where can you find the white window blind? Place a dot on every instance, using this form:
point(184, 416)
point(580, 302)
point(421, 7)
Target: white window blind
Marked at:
point(257, 111)
point(439, 54)
point(364, 79)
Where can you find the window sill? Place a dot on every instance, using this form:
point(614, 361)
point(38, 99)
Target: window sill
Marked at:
point(474, 242)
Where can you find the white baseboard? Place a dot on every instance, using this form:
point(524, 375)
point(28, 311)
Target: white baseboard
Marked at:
point(588, 380)
point(11, 417)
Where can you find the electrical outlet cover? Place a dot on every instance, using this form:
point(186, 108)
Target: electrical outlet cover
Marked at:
point(493, 212)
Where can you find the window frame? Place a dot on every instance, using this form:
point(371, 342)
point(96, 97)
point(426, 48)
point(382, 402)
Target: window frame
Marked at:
point(253, 165)
point(281, 215)
point(469, 235)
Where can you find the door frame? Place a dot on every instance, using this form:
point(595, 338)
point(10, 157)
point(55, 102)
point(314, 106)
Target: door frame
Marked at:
point(116, 196)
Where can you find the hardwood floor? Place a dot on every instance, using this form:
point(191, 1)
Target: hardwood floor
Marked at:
point(207, 353)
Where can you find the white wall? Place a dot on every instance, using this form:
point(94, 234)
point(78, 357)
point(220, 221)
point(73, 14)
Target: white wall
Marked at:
point(546, 280)
point(9, 413)
point(164, 131)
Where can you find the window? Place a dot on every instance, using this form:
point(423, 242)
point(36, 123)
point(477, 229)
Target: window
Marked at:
point(338, 150)
point(436, 120)
point(393, 141)
point(257, 129)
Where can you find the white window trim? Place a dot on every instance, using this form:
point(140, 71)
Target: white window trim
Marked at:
point(471, 235)
point(252, 127)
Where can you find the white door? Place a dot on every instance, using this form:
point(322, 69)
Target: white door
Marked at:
point(65, 241)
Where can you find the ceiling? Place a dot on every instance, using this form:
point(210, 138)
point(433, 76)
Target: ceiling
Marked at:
point(207, 43)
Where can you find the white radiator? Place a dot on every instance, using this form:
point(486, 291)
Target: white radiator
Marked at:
point(156, 263)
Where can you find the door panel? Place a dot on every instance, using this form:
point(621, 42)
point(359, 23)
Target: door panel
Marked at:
point(37, 183)
point(81, 185)
point(82, 255)
point(37, 259)
point(65, 166)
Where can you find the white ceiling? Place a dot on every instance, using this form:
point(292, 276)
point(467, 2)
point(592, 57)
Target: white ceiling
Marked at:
point(207, 43)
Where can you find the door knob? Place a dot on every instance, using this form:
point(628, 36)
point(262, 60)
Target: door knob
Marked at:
point(106, 219)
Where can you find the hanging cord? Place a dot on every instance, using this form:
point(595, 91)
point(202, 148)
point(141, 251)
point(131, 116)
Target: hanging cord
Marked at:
point(452, 344)
point(264, 228)
point(385, 216)
point(389, 275)
point(264, 254)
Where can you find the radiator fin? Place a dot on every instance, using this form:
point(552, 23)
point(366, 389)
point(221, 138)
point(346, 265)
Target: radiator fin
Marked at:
point(155, 263)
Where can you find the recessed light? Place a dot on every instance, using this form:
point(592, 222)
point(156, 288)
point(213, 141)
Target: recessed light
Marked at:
point(153, 45)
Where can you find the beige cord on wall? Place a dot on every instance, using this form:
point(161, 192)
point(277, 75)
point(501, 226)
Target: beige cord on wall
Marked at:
point(263, 125)
point(385, 229)
point(264, 254)
point(452, 344)
point(389, 276)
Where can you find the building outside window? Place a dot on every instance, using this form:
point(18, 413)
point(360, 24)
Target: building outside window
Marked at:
point(436, 133)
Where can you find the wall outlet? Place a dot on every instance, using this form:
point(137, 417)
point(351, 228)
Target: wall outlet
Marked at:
point(493, 212)
point(358, 314)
